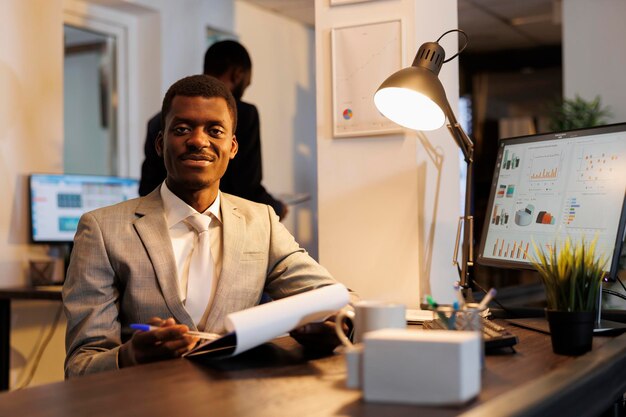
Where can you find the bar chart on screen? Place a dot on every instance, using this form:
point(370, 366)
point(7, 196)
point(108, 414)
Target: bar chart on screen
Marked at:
point(580, 212)
point(511, 249)
point(500, 216)
point(545, 167)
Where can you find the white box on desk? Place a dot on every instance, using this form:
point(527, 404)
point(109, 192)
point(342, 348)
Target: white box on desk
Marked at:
point(421, 367)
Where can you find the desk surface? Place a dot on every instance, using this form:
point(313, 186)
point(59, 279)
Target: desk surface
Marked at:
point(47, 292)
point(281, 379)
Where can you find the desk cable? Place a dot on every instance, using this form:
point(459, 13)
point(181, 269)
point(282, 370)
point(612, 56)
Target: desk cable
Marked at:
point(615, 293)
point(41, 349)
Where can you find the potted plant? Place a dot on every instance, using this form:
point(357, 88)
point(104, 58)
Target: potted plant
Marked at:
point(572, 277)
point(577, 113)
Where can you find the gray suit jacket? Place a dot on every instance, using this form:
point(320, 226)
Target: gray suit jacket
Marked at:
point(122, 271)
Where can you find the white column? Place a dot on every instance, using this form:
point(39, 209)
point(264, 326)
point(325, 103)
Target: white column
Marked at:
point(594, 56)
point(387, 209)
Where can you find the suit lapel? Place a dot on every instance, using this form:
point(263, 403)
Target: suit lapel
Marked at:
point(233, 238)
point(152, 230)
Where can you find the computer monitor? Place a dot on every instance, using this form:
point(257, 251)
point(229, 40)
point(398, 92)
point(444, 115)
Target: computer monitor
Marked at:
point(548, 187)
point(58, 201)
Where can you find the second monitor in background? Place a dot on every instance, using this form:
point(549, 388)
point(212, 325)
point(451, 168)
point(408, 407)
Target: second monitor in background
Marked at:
point(58, 200)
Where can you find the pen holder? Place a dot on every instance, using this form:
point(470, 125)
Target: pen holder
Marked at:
point(468, 318)
point(447, 318)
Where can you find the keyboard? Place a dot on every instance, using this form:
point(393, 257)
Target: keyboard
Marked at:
point(494, 335)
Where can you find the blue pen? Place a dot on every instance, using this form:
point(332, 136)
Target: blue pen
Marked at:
point(452, 323)
point(459, 294)
point(201, 335)
point(142, 327)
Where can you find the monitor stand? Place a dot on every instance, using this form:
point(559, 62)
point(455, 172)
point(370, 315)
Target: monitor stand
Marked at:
point(602, 327)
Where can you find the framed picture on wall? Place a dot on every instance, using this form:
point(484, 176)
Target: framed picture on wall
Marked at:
point(363, 56)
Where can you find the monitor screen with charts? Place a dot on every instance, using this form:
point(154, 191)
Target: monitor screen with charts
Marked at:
point(58, 201)
point(552, 186)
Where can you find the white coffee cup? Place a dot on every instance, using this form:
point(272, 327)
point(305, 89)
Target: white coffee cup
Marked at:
point(369, 316)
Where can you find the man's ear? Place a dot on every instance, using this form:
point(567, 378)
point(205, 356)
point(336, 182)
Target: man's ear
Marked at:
point(234, 147)
point(236, 74)
point(158, 144)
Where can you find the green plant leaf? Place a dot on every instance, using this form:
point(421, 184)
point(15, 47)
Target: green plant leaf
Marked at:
point(577, 113)
point(571, 274)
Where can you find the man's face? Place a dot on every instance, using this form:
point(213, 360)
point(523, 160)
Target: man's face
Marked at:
point(243, 81)
point(196, 143)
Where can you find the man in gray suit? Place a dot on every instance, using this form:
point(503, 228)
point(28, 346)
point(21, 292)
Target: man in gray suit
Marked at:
point(130, 261)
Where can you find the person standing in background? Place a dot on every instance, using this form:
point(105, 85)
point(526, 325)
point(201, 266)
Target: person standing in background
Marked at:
point(229, 62)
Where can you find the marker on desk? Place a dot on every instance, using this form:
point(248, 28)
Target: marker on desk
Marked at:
point(201, 335)
point(431, 302)
point(483, 303)
point(452, 322)
point(442, 316)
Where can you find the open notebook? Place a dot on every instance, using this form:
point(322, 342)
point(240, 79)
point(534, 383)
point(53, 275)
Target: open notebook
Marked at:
point(249, 328)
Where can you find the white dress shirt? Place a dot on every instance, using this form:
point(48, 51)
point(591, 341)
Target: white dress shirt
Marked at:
point(183, 237)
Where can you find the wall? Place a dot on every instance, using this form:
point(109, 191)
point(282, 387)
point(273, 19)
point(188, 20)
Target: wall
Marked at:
point(31, 114)
point(388, 205)
point(594, 56)
point(183, 35)
point(283, 89)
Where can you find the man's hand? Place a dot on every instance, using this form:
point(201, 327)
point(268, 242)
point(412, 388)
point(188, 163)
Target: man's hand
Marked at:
point(168, 341)
point(319, 337)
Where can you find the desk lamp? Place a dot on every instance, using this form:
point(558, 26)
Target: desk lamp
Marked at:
point(414, 98)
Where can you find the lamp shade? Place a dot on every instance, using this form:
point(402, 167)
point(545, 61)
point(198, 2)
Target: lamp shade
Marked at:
point(414, 98)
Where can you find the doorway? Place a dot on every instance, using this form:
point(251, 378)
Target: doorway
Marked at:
point(90, 143)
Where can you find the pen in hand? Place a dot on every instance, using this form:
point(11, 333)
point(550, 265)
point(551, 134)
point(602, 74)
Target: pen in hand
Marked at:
point(200, 335)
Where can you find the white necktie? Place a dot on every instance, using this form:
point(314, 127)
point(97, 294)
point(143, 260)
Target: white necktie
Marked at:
point(199, 280)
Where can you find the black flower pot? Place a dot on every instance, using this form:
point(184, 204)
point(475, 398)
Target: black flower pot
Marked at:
point(571, 331)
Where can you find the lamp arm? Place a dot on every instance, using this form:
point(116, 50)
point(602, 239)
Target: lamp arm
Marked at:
point(460, 137)
point(467, 220)
point(467, 259)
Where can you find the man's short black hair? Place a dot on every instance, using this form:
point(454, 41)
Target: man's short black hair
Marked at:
point(224, 55)
point(199, 86)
